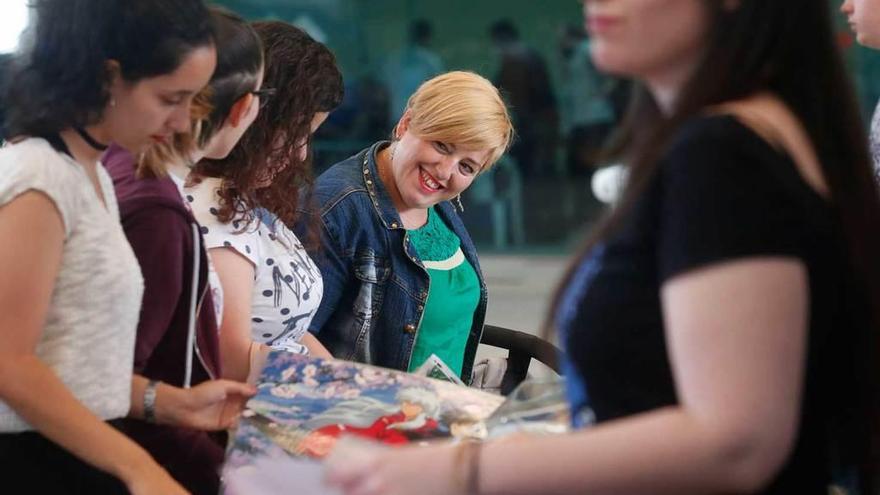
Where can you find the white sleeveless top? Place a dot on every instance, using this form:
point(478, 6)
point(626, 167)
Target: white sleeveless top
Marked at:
point(89, 334)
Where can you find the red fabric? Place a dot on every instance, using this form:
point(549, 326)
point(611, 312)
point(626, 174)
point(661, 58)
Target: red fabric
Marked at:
point(379, 429)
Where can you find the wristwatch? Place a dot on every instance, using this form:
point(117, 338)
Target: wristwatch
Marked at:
point(150, 401)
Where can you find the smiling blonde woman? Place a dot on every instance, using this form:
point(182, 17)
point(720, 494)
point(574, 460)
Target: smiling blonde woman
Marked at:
point(401, 276)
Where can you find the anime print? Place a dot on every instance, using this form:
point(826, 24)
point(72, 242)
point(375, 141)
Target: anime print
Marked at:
point(305, 405)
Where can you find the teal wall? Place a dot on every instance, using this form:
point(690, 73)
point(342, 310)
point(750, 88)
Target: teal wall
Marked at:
point(361, 32)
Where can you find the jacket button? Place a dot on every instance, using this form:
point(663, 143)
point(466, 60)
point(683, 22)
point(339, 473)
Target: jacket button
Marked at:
point(421, 308)
point(394, 225)
point(409, 328)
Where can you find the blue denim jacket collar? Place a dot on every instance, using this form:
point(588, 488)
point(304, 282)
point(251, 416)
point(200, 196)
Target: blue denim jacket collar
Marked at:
point(378, 193)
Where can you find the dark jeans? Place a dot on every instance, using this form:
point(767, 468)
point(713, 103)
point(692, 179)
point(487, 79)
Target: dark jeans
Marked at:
point(31, 463)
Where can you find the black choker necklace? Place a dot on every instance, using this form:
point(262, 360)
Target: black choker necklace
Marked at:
point(90, 140)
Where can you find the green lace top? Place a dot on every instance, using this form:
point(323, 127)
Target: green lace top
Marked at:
point(452, 298)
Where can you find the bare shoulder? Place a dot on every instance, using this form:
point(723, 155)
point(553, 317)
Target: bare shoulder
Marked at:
point(769, 117)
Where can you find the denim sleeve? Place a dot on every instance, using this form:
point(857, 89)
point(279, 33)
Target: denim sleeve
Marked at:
point(335, 270)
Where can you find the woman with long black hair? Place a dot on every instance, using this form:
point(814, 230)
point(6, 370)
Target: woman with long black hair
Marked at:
point(721, 326)
point(92, 72)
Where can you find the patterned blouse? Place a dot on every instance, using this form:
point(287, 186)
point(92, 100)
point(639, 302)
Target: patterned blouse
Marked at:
point(287, 285)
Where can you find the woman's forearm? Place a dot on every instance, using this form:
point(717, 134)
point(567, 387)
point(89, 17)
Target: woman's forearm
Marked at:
point(37, 395)
point(656, 453)
point(209, 406)
point(168, 404)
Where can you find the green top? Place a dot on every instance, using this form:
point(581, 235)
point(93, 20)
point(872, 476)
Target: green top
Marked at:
point(452, 299)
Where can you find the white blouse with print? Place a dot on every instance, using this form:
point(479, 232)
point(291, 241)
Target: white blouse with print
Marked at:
point(287, 285)
point(213, 278)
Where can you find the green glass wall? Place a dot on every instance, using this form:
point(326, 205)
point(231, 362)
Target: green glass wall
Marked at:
point(509, 210)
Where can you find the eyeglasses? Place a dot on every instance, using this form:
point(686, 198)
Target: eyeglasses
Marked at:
point(264, 95)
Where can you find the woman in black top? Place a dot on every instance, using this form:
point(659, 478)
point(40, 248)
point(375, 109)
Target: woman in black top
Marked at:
point(721, 325)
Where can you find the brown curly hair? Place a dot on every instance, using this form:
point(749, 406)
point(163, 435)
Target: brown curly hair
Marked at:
point(307, 81)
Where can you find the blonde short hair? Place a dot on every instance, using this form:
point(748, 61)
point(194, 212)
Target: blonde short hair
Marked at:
point(464, 109)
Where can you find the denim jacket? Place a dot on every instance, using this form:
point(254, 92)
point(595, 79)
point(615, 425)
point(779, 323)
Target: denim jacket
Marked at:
point(375, 285)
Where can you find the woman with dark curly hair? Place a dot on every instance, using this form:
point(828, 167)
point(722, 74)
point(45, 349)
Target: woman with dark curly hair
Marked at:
point(246, 201)
point(91, 72)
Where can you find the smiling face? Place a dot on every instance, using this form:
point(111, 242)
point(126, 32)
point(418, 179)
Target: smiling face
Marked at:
point(425, 172)
point(153, 109)
point(864, 19)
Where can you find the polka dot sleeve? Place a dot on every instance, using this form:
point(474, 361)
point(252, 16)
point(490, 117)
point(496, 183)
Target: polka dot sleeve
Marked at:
point(237, 235)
